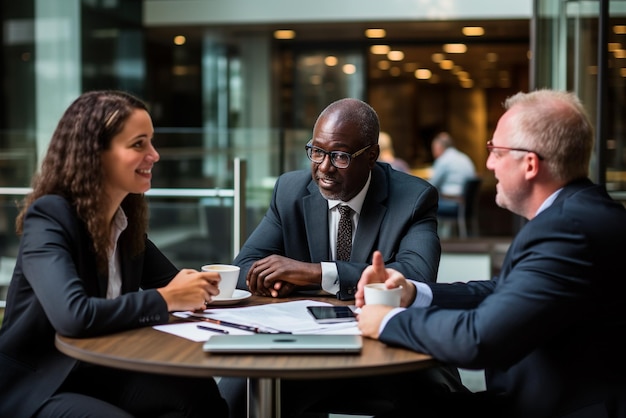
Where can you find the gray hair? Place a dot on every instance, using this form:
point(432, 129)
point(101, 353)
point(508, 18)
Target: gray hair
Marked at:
point(556, 126)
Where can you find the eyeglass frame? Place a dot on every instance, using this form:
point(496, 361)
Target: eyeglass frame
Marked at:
point(309, 147)
point(491, 147)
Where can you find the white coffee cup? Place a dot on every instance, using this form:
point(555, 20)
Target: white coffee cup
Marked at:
point(378, 294)
point(229, 275)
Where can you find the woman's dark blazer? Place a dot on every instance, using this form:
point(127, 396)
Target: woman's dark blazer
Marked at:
point(56, 289)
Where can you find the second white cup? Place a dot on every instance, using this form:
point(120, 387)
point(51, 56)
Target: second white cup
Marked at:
point(229, 275)
point(378, 294)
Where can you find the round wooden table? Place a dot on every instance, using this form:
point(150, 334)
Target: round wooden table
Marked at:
point(152, 351)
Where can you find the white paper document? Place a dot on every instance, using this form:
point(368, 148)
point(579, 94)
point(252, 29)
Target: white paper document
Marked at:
point(291, 317)
point(191, 331)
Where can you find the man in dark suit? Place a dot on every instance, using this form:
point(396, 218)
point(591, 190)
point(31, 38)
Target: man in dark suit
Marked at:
point(549, 330)
point(296, 245)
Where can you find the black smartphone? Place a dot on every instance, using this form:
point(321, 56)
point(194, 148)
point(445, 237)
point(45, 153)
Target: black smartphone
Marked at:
point(331, 314)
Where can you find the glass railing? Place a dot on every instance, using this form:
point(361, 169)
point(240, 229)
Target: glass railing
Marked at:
point(191, 226)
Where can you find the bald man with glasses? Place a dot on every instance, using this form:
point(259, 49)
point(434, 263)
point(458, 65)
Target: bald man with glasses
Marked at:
point(297, 245)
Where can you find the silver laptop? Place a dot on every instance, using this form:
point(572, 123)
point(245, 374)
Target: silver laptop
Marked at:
point(283, 343)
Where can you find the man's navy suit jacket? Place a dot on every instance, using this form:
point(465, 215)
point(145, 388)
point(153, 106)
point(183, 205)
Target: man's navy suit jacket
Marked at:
point(549, 330)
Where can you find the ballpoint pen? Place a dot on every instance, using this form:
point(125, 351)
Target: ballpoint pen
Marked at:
point(204, 327)
point(256, 330)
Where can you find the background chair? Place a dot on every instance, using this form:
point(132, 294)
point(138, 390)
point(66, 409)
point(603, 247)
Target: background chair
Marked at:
point(463, 209)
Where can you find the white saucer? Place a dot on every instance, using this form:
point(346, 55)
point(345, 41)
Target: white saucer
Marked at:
point(238, 296)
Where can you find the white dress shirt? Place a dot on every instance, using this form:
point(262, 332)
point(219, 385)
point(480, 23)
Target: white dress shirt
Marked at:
point(114, 285)
point(330, 276)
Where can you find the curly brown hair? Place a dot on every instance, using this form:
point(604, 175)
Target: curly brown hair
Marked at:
point(72, 168)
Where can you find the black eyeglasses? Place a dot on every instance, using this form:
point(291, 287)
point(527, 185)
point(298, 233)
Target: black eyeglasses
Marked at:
point(338, 159)
point(491, 147)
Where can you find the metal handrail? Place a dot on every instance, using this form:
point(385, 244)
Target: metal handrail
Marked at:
point(237, 193)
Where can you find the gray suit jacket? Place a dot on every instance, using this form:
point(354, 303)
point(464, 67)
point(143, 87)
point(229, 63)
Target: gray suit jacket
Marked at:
point(56, 288)
point(550, 329)
point(398, 218)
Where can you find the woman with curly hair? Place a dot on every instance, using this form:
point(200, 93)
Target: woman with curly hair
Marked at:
point(85, 267)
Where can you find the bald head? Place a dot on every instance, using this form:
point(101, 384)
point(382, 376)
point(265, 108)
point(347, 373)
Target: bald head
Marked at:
point(355, 113)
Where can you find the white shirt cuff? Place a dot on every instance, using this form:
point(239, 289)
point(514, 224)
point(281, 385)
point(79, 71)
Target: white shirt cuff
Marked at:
point(330, 278)
point(423, 298)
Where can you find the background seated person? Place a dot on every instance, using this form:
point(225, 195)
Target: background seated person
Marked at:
point(388, 154)
point(450, 170)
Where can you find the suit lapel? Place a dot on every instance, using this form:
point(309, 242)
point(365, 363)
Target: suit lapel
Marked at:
point(131, 275)
point(88, 267)
point(316, 223)
point(371, 217)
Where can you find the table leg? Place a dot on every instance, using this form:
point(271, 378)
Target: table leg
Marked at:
point(263, 398)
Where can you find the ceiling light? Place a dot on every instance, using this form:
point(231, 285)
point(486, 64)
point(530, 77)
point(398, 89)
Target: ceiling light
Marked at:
point(284, 34)
point(455, 48)
point(619, 53)
point(423, 74)
point(437, 57)
point(622, 72)
point(375, 33)
point(180, 70)
point(330, 61)
point(473, 31)
point(492, 57)
point(395, 55)
point(446, 64)
point(179, 40)
point(395, 71)
point(612, 46)
point(384, 65)
point(468, 84)
point(379, 49)
point(619, 29)
point(349, 69)
point(463, 75)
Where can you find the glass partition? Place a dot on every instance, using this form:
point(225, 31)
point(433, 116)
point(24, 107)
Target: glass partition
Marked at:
point(566, 57)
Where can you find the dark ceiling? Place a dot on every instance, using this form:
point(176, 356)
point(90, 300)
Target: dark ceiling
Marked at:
point(490, 60)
